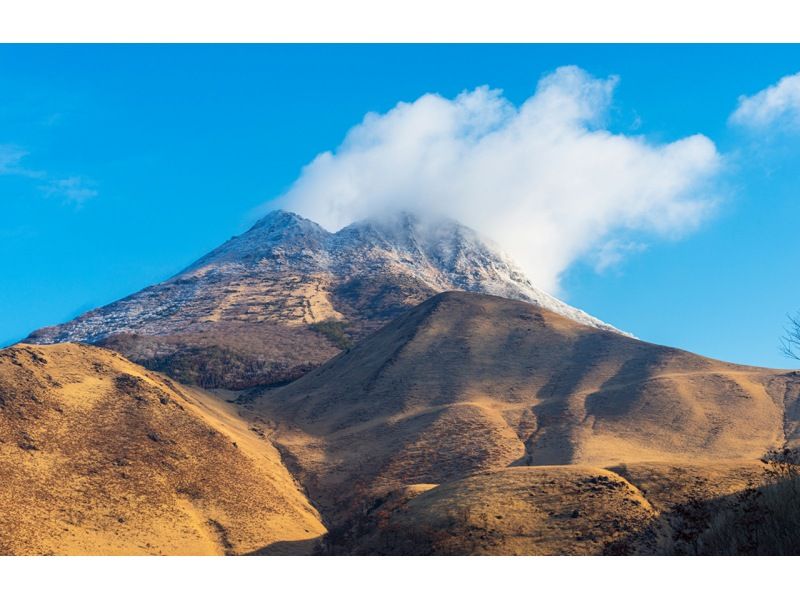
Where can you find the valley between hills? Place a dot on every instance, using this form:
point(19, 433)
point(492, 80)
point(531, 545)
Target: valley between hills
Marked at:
point(398, 388)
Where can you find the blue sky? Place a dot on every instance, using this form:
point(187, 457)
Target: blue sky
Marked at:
point(138, 159)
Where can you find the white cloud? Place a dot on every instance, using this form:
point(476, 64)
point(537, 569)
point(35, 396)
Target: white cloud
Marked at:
point(72, 189)
point(9, 158)
point(613, 251)
point(11, 162)
point(777, 104)
point(545, 179)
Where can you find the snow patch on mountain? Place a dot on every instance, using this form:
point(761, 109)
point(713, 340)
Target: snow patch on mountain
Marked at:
point(286, 266)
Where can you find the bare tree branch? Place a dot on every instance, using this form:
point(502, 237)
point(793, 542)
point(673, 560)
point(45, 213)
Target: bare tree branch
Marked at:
point(790, 341)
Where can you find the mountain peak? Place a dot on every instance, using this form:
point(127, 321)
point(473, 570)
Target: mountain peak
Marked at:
point(404, 220)
point(262, 295)
point(280, 218)
point(416, 233)
point(278, 234)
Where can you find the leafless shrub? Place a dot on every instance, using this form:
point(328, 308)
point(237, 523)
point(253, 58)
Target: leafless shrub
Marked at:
point(782, 464)
point(790, 341)
point(761, 520)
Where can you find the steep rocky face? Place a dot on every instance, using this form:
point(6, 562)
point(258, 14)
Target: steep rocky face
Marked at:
point(269, 305)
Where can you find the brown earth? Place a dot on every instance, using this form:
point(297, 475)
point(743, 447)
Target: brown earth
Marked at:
point(469, 425)
point(100, 456)
point(468, 383)
point(649, 508)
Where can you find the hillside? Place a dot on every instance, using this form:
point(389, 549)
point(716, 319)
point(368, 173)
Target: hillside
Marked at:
point(647, 508)
point(271, 304)
point(471, 424)
point(100, 456)
point(465, 383)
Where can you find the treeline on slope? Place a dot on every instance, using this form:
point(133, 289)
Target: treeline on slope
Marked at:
point(221, 367)
point(210, 366)
point(237, 355)
point(335, 331)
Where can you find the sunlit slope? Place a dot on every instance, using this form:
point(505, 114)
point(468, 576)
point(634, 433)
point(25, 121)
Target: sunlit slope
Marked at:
point(468, 382)
point(545, 510)
point(514, 511)
point(100, 456)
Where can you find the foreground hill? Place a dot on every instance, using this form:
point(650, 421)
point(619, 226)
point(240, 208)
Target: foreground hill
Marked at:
point(471, 424)
point(100, 456)
point(269, 305)
point(646, 508)
point(466, 383)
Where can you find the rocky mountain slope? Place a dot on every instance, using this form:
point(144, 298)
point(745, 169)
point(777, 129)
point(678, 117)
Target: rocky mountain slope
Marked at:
point(287, 295)
point(466, 383)
point(470, 424)
point(100, 456)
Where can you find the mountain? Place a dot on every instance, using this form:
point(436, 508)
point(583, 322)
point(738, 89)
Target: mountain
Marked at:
point(466, 384)
point(470, 424)
point(100, 456)
point(271, 304)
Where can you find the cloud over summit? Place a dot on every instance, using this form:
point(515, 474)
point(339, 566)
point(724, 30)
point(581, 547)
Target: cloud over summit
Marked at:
point(545, 180)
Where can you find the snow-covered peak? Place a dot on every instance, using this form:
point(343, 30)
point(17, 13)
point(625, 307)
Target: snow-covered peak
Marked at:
point(439, 252)
point(278, 220)
point(287, 270)
point(279, 233)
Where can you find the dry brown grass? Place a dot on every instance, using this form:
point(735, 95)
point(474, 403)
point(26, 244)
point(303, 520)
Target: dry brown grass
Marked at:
point(673, 509)
point(465, 383)
point(764, 521)
point(100, 456)
point(469, 425)
point(546, 510)
point(761, 519)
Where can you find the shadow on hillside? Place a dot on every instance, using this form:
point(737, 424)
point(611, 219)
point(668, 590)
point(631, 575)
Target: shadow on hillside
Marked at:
point(288, 548)
point(553, 442)
point(757, 521)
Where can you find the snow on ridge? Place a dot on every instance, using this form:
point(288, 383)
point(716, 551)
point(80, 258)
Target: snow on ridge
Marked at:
point(282, 247)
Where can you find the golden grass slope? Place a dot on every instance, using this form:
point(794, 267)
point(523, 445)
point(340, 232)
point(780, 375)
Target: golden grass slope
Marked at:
point(100, 456)
point(544, 510)
point(466, 382)
point(548, 510)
